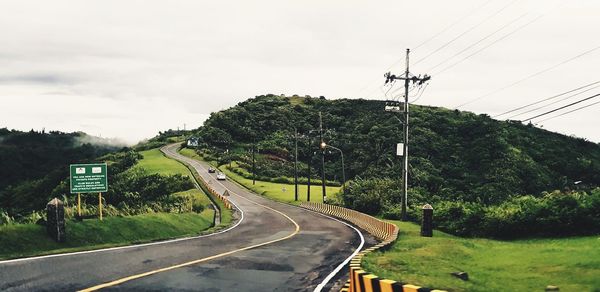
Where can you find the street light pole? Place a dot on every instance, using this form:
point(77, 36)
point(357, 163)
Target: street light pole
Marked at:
point(323, 146)
point(295, 164)
point(253, 163)
point(322, 157)
point(308, 175)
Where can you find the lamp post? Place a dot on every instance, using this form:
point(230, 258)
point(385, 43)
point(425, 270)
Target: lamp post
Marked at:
point(323, 146)
point(308, 162)
point(253, 163)
point(308, 175)
point(295, 164)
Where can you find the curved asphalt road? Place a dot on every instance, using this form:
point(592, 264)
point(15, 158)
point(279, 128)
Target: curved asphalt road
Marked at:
point(309, 247)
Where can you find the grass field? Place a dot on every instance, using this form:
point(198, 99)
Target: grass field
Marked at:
point(282, 192)
point(155, 162)
point(191, 153)
point(276, 191)
point(573, 264)
point(198, 196)
point(22, 240)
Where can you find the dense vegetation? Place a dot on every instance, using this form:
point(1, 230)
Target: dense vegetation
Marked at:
point(455, 157)
point(150, 198)
point(34, 169)
point(162, 139)
point(33, 163)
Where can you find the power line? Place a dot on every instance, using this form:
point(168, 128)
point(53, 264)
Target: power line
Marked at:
point(424, 42)
point(499, 39)
point(490, 44)
point(554, 102)
point(562, 107)
point(450, 26)
point(545, 99)
point(479, 41)
point(528, 77)
point(420, 94)
point(577, 109)
point(466, 32)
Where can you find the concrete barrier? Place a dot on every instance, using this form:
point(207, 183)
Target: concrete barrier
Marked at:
point(359, 279)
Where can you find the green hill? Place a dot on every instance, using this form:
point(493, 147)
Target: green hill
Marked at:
point(455, 156)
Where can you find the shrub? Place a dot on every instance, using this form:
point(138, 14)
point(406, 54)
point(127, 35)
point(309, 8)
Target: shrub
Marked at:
point(554, 214)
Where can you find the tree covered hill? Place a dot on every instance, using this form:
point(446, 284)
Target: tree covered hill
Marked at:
point(454, 155)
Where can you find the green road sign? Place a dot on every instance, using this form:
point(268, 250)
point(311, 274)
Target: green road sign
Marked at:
point(89, 178)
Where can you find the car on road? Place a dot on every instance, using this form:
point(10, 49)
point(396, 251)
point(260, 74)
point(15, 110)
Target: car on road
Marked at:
point(221, 176)
point(211, 170)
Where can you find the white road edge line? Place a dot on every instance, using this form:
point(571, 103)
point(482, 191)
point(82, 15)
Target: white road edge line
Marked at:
point(320, 287)
point(130, 246)
point(344, 263)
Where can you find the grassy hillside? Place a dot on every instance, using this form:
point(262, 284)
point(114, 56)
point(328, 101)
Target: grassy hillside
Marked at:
point(154, 162)
point(573, 264)
point(20, 240)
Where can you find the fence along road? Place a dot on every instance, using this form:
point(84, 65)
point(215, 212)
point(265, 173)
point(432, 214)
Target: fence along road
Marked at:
point(267, 251)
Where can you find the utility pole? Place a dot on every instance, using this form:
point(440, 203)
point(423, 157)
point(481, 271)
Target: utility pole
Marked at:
point(322, 156)
point(253, 163)
point(323, 146)
point(308, 175)
point(295, 164)
point(407, 79)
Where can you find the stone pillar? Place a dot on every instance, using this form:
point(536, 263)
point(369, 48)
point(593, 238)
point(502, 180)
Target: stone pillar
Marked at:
point(427, 223)
point(55, 225)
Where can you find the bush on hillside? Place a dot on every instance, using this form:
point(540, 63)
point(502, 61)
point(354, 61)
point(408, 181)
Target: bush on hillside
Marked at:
point(554, 214)
point(551, 214)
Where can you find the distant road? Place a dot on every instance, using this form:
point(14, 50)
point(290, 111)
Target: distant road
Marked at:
point(275, 247)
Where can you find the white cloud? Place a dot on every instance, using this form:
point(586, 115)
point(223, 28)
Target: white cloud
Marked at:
point(130, 69)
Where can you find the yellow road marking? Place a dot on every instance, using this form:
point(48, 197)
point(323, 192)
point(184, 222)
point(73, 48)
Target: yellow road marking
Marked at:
point(133, 277)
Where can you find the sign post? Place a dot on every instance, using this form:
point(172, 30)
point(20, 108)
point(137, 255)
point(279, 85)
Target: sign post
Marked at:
point(89, 178)
point(100, 205)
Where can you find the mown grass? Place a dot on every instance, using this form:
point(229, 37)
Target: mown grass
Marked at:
point(280, 191)
point(573, 264)
point(191, 153)
point(155, 162)
point(198, 196)
point(21, 240)
point(276, 191)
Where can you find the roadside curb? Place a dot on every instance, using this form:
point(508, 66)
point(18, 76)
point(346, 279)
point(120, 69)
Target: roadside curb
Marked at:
point(359, 279)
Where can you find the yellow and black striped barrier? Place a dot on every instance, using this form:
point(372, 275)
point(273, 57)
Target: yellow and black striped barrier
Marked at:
point(219, 196)
point(359, 279)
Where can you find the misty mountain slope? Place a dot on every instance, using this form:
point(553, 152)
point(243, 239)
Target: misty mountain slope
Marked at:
point(35, 162)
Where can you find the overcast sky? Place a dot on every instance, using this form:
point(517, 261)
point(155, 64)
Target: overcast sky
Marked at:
point(128, 69)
